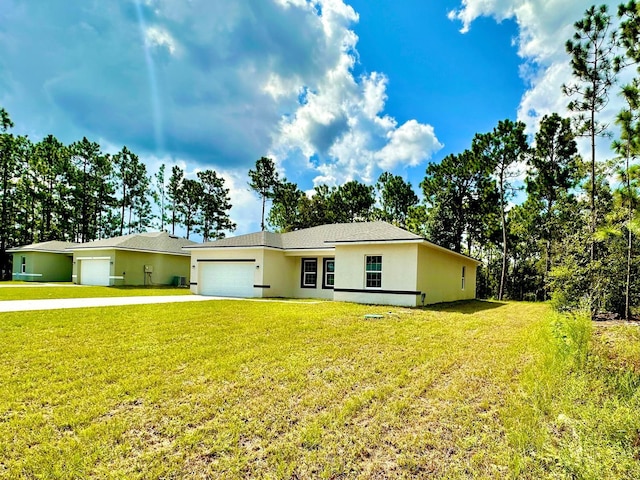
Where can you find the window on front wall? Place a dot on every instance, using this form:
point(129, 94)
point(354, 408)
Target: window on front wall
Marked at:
point(309, 272)
point(373, 271)
point(329, 273)
point(23, 265)
point(463, 274)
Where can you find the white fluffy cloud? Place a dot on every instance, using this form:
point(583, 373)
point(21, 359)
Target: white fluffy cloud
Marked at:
point(159, 37)
point(341, 122)
point(407, 144)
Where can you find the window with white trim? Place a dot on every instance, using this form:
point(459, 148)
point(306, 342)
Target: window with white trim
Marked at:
point(373, 271)
point(463, 275)
point(329, 273)
point(23, 265)
point(309, 273)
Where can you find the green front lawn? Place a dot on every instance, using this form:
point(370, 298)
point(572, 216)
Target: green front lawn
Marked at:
point(30, 292)
point(233, 389)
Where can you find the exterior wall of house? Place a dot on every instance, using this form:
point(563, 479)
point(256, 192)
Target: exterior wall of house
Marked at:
point(277, 273)
point(440, 276)
point(42, 267)
point(127, 268)
point(399, 276)
point(79, 255)
point(408, 271)
point(255, 254)
point(298, 291)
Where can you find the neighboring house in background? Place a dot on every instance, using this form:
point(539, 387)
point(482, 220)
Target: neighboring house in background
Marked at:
point(43, 262)
point(369, 262)
point(153, 258)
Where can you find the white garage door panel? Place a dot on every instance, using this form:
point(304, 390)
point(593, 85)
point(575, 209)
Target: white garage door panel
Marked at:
point(94, 272)
point(226, 279)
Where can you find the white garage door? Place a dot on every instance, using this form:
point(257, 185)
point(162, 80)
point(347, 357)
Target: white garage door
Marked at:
point(94, 272)
point(226, 279)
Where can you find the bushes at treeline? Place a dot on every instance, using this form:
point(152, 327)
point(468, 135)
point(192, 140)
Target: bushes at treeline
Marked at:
point(76, 192)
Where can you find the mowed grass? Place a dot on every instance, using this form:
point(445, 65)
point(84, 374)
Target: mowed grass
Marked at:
point(24, 291)
point(232, 389)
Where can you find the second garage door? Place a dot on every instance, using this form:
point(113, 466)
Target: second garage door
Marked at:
point(95, 272)
point(226, 279)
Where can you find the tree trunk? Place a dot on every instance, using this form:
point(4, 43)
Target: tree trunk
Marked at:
point(627, 290)
point(627, 293)
point(5, 162)
point(173, 219)
point(47, 211)
point(32, 219)
point(264, 200)
point(503, 274)
point(5, 188)
point(592, 227)
point(124, 191)
point(98, 233)
point(162, 212)
point(84, 203)
point(459, 229)
point(548, 235)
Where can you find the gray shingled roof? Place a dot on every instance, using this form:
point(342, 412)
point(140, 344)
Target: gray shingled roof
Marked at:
point(53, 246)
point(326, 235)
point(258, 239)
point(160, 242)
point(323, 236)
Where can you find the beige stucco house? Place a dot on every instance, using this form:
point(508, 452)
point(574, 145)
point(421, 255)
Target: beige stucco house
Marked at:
point(155, 258)
point(370, 262)
point(43, 262)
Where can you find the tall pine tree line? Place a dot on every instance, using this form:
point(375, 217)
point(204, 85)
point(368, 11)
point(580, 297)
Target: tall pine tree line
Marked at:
point(78, 193)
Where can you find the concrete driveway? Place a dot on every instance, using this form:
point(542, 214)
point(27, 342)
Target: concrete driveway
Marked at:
point(55, 304)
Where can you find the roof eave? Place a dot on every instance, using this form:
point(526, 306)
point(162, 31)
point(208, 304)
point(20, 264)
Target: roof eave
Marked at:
point(301, 252)
point(443, 249)
point(368, 242)
point(127, 249)
point(229, 247)
point(419, 241)
point(38, 250)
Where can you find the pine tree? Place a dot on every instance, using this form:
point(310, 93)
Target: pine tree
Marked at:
point(174, 191)
point(592, 62)
point(215, 206)
point(505, 149)
point(263, 180)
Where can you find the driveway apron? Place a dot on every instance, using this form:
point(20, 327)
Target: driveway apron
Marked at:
point(62, 303)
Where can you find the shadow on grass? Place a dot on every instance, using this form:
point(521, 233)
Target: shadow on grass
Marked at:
point(464, 306)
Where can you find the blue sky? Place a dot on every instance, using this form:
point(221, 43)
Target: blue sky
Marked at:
point(333, 90)
point(463, 84)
